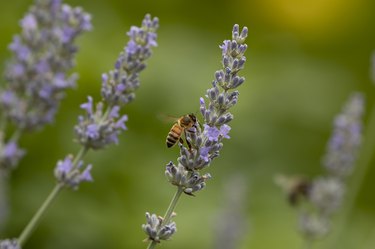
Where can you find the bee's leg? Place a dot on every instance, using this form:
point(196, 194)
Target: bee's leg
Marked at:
point(187, 142)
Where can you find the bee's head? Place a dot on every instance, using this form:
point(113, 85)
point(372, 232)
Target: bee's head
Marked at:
point(193, 117)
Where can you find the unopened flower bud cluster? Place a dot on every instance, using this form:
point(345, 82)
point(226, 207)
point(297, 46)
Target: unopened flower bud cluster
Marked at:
point(155, 228)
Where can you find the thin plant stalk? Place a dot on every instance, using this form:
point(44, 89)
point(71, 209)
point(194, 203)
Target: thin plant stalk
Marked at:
point(27, 231)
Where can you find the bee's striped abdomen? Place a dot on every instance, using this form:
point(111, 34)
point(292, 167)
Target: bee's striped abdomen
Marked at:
point(174, 135)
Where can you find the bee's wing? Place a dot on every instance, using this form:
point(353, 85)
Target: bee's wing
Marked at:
point(166, 118)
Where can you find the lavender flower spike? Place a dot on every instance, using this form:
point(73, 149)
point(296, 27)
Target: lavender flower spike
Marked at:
point(343, 146)
point(118, 85)
point(102, 123)
point(205, 145)
point(43, 55)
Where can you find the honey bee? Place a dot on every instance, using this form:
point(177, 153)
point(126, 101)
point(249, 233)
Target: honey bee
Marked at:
point(182, 124)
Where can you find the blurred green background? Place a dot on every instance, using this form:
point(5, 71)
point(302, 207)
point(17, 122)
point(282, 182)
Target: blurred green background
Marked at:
point(304, 59)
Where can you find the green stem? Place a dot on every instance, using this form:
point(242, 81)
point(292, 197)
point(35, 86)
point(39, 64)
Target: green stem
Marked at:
point(36, 218)
point(359, 175)
point(168, 214)
point(30, 227)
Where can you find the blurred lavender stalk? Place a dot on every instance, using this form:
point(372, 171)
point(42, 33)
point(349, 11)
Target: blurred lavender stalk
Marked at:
point(231, 224)
point(37, 76)
point(323, 196)
point(205, 144)
point(364, 163)
point(102, 123)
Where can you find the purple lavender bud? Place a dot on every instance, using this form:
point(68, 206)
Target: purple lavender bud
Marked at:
point(167, 231)
point(221, 120)
point(234, 45)
point(225, 47)
point(219, 76)
point(244, 33)
point(237, 81)
point(225, 62)
point(241, 63)
point(228, 117)
point(202, 107)
point(43, 56)
point(221, 99)
point(235, 64)
point(235, 32)
point(242, 49)
point(212, 93)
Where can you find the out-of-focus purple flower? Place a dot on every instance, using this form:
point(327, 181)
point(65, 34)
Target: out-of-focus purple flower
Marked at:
point(86, 174)
point(88, 107)
point(343, 146)
point(29, 23)
point(10, 154)
point(92, 131)
point(101, 127)
point(65, 166)
point(9, 244)
point(43, 55)
point(71, 175)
